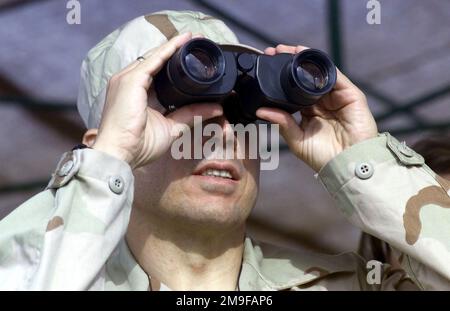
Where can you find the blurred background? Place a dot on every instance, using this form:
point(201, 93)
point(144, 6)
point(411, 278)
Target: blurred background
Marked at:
point(402, 64)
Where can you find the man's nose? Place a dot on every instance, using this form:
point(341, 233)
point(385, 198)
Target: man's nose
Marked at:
point(224, 123)
point(221, 121)
point(227, 133)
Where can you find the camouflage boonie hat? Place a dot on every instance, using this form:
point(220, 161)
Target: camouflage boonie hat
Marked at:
point(126, 44)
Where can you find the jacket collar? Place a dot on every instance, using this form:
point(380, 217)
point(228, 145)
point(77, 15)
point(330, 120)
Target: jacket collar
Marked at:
point(268, 267)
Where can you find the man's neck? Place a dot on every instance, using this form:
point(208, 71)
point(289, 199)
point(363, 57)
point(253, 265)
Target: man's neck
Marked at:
point(183, 258)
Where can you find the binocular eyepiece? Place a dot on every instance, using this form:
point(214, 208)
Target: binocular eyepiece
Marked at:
point(202, 71)
point(199, 63)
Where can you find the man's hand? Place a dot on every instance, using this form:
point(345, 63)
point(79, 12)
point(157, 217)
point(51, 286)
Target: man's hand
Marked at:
point(132, 131)
point(337, 121)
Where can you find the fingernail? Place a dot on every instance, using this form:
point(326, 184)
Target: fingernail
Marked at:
point(184, 34)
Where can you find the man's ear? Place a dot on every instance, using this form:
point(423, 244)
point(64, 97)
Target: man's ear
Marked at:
point(89, 137)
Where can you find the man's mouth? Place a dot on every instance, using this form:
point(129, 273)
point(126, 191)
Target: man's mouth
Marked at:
point(217, 173)
point(225, 170)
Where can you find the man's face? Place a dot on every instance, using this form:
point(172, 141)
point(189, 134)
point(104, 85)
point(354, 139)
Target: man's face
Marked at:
point(190, 191)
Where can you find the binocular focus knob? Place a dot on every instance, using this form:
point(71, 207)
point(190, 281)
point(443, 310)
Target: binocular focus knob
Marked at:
point(245, 62)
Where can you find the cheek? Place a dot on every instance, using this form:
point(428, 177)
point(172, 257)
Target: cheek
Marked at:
point(177, 169)
point(150, 183)
point(156, 178)
point(253, 167)
point(252, 181)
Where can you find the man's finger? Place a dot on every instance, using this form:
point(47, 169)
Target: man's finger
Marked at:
point(300, 48)
point(342, 82)
point(197, 35)
point(281, 48)
point(161, 55)
point(270, 51)
point(289, 128)
point(136, 62)
point(150, 53)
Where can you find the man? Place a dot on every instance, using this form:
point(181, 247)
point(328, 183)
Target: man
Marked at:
point(124, 215)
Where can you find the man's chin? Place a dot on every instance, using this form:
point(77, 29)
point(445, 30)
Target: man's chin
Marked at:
point(213, 185)
point(213, 211)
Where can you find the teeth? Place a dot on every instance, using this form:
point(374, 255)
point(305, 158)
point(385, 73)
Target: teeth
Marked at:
point(217, 173)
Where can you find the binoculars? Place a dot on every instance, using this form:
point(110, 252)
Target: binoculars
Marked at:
point(202, 71)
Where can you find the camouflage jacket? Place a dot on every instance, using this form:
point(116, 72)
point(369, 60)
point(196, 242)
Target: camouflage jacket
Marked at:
point(71, 236)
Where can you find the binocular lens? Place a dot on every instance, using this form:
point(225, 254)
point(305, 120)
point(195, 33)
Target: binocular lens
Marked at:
point(201, 64)
point(195, 74)
point(308, 76)
point(312, 75)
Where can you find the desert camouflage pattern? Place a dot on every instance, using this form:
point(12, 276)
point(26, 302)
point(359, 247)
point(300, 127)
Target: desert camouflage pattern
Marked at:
point(71, 236)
